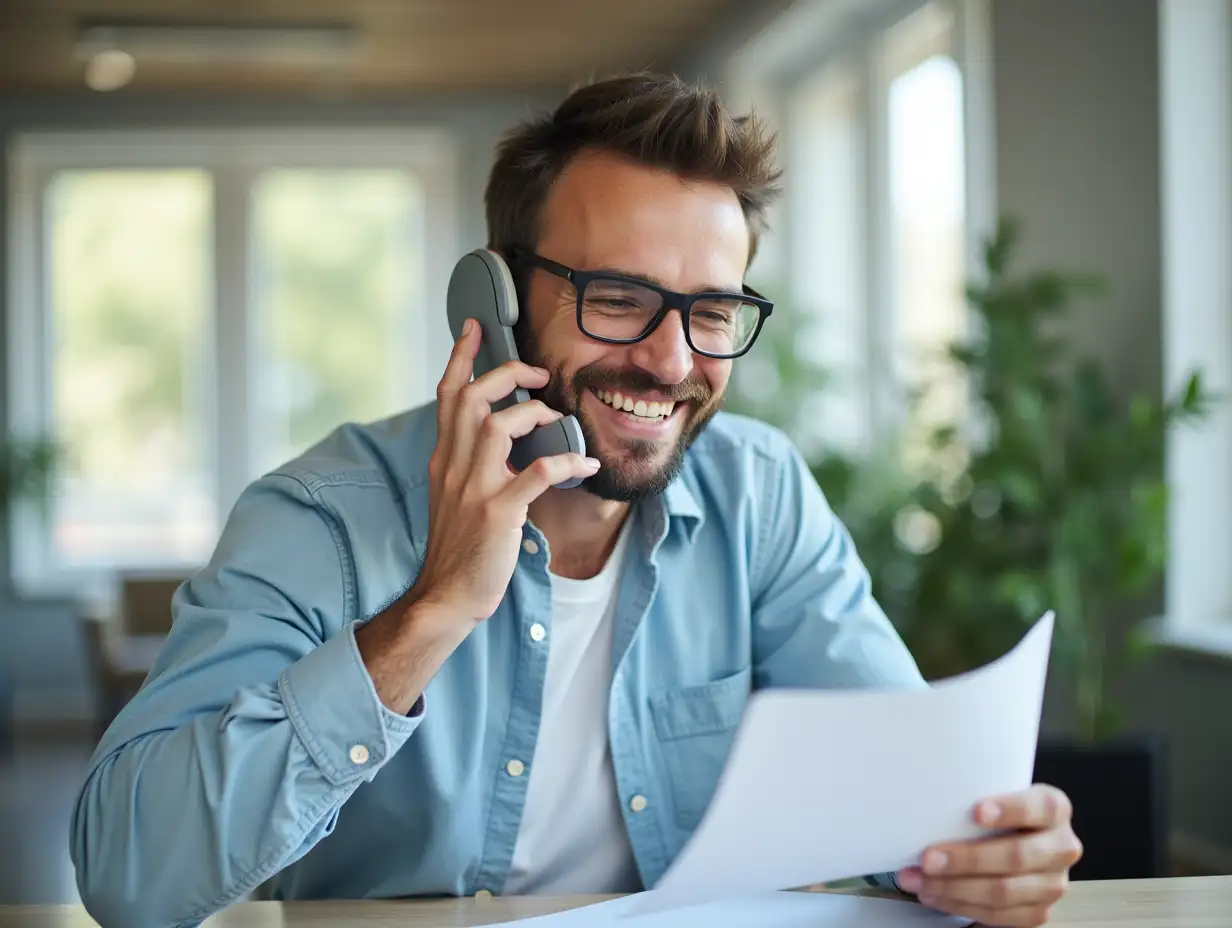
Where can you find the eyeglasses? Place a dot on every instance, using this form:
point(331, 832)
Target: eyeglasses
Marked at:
point(622, 310)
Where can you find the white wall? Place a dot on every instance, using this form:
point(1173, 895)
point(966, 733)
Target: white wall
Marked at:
point(1076, 104)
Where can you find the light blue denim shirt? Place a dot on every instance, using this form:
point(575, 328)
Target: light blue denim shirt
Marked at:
point(258, 750)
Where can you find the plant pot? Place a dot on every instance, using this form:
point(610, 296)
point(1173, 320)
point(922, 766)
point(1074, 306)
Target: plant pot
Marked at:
point(1118, 789)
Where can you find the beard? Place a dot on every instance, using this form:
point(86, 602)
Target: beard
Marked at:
point(630, 473)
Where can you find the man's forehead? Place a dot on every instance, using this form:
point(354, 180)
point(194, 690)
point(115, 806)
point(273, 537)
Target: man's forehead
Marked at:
point(611, 213)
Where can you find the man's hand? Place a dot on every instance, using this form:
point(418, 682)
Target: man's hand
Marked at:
point(478, 505)
point(1007, 879)
point(476, 509)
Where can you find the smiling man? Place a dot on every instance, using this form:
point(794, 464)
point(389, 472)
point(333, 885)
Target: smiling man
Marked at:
point(408, 670)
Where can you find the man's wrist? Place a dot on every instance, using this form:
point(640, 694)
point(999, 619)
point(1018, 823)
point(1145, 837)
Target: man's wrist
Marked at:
point(404, 646)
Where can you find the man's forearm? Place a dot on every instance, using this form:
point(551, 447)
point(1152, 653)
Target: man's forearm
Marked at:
point(404, 647)
point(161, 834)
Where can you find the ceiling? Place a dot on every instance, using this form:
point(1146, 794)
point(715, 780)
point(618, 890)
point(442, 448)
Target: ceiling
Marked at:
point(395, 46)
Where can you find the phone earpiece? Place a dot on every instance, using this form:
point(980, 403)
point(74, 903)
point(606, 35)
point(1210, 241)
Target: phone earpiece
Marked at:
point(481, 288)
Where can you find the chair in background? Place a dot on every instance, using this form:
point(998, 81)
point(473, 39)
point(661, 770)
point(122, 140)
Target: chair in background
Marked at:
point(123, 642)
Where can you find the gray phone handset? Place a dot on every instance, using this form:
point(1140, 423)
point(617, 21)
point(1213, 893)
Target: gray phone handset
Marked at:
point(481, 288)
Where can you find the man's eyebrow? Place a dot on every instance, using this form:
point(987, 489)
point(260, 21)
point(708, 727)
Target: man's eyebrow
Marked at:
point(707, 288)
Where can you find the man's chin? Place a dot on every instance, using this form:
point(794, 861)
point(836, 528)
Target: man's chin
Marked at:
point(632, 469)
point(625, 478)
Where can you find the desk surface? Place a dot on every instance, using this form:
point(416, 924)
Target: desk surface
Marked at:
point(1189, 902)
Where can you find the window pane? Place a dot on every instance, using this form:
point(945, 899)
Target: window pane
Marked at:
point(828, 268)
point(928, 237)
point(128, 271)
point(338, 269)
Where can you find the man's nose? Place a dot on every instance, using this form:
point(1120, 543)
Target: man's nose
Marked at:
point(664, 352)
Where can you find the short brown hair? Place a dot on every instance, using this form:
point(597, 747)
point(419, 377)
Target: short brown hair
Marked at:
point(661, 121)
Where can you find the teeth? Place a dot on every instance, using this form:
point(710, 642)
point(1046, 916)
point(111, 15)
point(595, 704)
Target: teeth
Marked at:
point(640, 408)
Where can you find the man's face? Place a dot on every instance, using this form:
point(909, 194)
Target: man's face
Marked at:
point(606, 212)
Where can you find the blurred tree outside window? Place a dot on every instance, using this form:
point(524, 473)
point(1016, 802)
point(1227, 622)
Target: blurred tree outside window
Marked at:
point(130, 301)
point(193, 308)
point(335, 275)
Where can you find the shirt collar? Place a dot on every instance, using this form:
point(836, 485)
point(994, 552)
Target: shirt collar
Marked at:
point(682, 506)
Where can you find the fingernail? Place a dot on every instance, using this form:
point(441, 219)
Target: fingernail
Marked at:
point(540, 371)
point(934, 862)
point(468, 327)
point(990, 812)
point(910, 881)
point(592, 463)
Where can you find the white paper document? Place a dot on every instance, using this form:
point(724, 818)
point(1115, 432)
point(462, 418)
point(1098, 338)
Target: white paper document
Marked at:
point(757, 910)
point(823, 785)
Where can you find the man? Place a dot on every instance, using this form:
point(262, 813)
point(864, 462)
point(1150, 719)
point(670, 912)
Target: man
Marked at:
point(408, 670)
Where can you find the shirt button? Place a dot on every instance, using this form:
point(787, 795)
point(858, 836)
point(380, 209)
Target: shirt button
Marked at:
point(359, 754)
point(484, 894)
point(537, 632)
point(515, 768)
point(530, 547)
point(637, 803)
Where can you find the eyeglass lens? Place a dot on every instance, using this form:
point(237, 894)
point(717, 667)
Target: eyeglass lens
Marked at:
point(618, 309)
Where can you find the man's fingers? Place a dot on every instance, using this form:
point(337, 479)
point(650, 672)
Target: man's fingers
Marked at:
point(472, 406)
point(457, 375)
point(997, 893)
point(1038, 806)
point(1026, 852)
point(496, 436)
point(1019, 916)
point(499, 382)
point(546, 472)
point(515, 421)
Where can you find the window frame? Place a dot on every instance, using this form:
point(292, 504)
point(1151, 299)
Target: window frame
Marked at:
point(805, 42)
point(1195, 126)
point(234, 158)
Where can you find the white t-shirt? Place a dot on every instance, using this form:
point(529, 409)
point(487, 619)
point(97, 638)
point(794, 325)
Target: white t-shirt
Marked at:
point(572, 838)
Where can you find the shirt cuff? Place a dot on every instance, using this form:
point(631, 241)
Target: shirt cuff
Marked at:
point(334, 708)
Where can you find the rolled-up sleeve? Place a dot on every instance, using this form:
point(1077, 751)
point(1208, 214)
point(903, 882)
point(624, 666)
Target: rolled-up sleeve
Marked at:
point(257, 723)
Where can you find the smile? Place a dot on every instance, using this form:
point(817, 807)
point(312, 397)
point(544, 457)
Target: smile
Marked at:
point(653, 411)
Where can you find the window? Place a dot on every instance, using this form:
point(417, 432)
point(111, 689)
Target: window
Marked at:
point(884, 144)
point(127, 257)
point(335, 268)
point(828, 248)
point(927, 222)
point(1196, 188)
point(189, 310)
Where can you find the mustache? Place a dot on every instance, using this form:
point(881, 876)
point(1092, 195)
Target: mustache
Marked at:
point(635, 381)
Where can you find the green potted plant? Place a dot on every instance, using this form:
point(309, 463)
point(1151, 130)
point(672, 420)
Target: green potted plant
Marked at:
point(1051, 495)
point(26, 466)
point(778, 382)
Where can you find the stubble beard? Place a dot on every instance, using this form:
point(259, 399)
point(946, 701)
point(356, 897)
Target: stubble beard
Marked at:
point(630, 475)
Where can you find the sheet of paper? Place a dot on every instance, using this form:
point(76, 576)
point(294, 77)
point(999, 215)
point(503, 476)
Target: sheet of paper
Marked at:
point(823, 785)
point(757, 910)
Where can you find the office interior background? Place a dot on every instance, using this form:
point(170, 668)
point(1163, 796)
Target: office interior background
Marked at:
point(228, 228)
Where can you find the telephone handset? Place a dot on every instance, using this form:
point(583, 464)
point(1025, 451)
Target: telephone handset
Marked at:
point(481, 288)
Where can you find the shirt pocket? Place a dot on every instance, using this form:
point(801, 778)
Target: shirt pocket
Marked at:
point(695, 726)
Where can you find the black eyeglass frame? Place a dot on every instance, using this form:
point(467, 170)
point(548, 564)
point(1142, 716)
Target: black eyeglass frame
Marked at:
point(672, 299)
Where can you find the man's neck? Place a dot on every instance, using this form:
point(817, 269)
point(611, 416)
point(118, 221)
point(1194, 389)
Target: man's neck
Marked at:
point(581, 530)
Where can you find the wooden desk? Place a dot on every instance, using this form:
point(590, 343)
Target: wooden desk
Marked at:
point(1189, 902)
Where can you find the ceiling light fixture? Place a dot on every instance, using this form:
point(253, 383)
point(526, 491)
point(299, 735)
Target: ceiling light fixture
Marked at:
point(173, 42)
point(110, 69)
